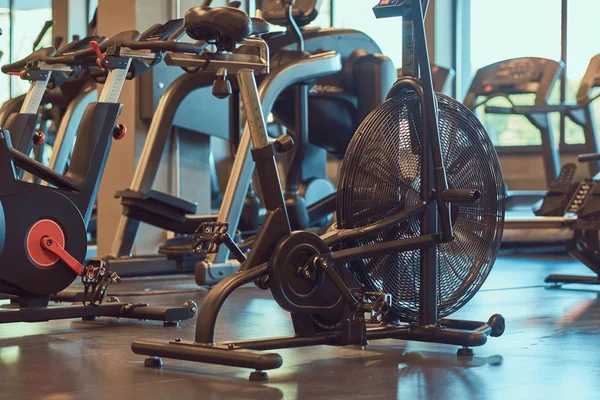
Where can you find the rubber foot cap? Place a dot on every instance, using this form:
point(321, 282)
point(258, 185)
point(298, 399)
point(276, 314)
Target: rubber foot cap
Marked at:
point(259, 376)
point(465, 352)
point(153, 362)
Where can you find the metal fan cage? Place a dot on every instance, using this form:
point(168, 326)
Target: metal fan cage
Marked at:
point(380, 176)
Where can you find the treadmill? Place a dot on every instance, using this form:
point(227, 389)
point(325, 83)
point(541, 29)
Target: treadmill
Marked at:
point(520, 76)
point(567, 205)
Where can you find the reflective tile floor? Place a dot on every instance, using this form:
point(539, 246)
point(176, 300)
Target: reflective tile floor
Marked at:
point(551, 350)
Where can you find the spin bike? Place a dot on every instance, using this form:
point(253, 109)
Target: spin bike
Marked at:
point(332, 284)
point(43, 238)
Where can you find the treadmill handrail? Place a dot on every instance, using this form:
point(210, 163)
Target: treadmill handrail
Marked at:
point(529, 110)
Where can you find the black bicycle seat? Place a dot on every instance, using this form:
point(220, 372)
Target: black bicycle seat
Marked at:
point(222, 24)
point(39, 55)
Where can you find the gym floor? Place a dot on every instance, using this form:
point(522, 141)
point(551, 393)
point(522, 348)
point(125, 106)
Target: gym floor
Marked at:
point(550, 349)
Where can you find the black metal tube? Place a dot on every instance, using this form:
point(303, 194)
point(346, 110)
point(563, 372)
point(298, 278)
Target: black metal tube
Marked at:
point(207, 316)
point(385, 248)
point(352, 234)
point(588, 157)
point(410, 67)
point(462, 324)
point(322, 263)
point(300, 141)
point(287, 342)
point(462, 195)
point(159, 313)
point(268, 177)
point(563, 76)
point(429, 334)
point(430, 119)
point(301, 138)
point(234, 122)
point(208, 354)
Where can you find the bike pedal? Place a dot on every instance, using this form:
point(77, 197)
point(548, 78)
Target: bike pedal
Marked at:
point(209, 236)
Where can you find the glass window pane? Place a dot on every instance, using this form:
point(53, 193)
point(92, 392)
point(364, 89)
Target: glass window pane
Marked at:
point(4, 50)
point(358, 14)
point(504, 29)
point(29, 16)
point(581, 47)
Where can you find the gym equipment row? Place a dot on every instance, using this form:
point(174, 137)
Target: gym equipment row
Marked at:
point(328, 278)
point(406, 239)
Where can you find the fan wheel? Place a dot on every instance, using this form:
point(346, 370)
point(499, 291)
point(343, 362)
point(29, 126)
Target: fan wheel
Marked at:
point(380, 176)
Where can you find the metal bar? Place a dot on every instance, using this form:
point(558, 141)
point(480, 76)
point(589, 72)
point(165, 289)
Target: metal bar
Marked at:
point(67, 130)
point(207, 317)
point(33, 99)
point(422, 242)
point(294, 173)
point(11, 41)
point(563, 57)
point(208, 354)
point(287, 342)
point(253, 109)
point(538, 222)
point(352, 234)
point(429, 334)
point(114, 84)
point(432, 177)
point(149, 161)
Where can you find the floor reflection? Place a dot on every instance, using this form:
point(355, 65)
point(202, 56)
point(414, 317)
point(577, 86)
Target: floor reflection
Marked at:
point(549, 350)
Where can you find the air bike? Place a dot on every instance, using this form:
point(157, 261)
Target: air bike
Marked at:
point(419, 221)
point(43, 238)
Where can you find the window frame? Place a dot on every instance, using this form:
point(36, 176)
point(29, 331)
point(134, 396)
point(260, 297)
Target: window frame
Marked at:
point(463, 75)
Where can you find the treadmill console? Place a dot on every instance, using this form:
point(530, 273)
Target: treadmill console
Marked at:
point(515, 76)
point(162, 32)
point(304, 11)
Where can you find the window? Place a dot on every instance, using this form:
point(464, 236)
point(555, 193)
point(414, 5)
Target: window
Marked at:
point(503, 29)
point(323, 20)
point(28, 18)
point(581, 47)
point(358, 14)
point(4, 49)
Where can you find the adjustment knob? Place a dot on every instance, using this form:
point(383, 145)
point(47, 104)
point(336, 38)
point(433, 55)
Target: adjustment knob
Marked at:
point(221, 86)
point(119, 132)
point(284, 143)
point(38, 138)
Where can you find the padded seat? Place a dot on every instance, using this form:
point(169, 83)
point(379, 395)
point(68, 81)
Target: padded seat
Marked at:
point(39, 55)
point(222, 25)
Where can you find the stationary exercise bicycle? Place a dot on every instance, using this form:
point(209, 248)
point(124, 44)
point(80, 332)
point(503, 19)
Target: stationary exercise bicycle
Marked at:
point(387, 270)
point(43, 229)
point(341, 93)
